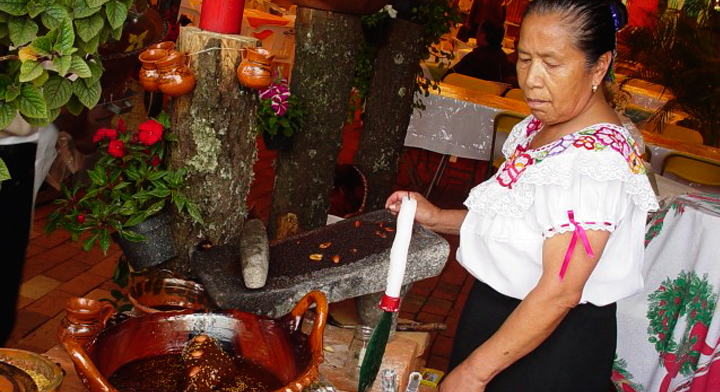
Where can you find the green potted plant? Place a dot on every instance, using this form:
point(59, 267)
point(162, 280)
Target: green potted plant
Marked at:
point(279, 115)
point(129, 190)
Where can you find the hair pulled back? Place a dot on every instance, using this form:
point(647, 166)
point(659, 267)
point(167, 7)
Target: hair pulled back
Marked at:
point(592, 23)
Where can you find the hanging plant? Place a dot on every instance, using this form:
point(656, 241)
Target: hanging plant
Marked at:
point(50, 55)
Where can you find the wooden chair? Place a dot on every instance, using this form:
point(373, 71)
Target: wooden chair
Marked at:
point(681, 133)
point(503, 122)
point(515, 94)
point(471, 83)
point(691, 168)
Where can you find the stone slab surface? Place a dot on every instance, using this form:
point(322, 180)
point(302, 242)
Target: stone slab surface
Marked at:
point(220, 271)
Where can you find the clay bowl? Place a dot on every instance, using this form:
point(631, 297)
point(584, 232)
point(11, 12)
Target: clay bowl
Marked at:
point(278, 345)
point(166, 293)
point(47, 375)
point(357, 7)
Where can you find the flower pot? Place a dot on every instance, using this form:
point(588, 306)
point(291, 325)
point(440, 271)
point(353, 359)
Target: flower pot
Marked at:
point(158, 246)
point(277, 142)
point(255, 70)
point(222, 16)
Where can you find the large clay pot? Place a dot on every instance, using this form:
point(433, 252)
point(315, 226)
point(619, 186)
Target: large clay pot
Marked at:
point(163, 291)
point(149, 73)
point(175, 76)
point(279, 345)
point(255, 70)
point(357, 7)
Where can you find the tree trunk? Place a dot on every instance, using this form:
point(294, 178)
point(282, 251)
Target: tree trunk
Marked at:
point(325, 54)
point(215, 129)
point(388, 109)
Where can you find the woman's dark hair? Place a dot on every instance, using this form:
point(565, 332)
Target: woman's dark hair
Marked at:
point(494, 32)
point(593, 23)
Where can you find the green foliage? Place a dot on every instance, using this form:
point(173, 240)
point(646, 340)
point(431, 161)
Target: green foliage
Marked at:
point(129, 183)
point(436, 17)
point(270, 120)
point(681, 52)
point(43, 40)
point(4, 172)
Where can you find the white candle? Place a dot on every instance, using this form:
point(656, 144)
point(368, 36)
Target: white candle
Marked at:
point(399, 250)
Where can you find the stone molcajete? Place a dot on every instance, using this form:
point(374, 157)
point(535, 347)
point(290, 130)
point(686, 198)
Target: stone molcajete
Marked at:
point(185, 351)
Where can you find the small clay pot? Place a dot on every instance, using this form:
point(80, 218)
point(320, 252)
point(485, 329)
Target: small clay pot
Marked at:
point(149, 73)
point(255, 70)
point(175, 76)
point(165, 45)
point(84, 319)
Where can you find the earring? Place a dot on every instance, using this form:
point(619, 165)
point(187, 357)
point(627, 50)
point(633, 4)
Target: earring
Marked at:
point(594, 88)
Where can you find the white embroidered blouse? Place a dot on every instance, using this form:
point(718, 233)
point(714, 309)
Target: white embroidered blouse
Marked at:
point(593, 178)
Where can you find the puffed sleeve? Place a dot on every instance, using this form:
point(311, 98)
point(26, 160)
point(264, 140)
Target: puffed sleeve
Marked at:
point(591, 203)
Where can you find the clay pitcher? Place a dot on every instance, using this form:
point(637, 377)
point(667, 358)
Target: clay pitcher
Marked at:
point(84, 320)
point(255, 70)
point(165, 45)
point(149, 73)
point(175, 76)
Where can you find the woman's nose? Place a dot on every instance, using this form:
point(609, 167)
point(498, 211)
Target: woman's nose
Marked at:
point(533, 78)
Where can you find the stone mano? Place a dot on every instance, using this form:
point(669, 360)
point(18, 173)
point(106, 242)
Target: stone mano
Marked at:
point(290, 277)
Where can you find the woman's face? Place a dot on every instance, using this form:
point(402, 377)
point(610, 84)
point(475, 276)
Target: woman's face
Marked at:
point(552, 73)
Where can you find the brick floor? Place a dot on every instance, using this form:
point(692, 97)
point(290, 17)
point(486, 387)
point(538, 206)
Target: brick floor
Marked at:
point(57, 269)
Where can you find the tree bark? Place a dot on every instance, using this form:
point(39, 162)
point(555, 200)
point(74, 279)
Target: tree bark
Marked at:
point(216, 133)
point(388, 109)
point(325, 53)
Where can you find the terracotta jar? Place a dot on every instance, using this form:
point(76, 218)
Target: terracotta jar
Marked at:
point(165, 45)
point(255, 70)
point(175, 76)
point(85, 318)
point(163, 291)
point(149, 73)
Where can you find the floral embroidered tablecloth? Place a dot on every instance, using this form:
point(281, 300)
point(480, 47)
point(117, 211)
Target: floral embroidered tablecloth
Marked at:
point(668, 335)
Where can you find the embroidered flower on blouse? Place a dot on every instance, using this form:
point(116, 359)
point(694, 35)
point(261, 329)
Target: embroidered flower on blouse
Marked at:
point(613, 138)
point(514, 167)
point(587, 142)
point(533, 126)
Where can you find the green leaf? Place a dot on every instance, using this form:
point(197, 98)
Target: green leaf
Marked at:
point(34, 8)
point(30, 70)
point(4, 172)
point(14, 7)
point(40, 80)
point(132, 236)
point(81, 10)
point(53, 114)
point(88, 244)
point(97, 176)
point(54, 15)
point(43, 45)
point(57, 92)
point(22, 31)
point(62, 64)
point(134, 220)
point(32, 103)
point(65, 39)
point(194, 212)
point(117, 33)
point(12, 92)
point(96, 71)
point(116, 13)
point(79, 67)
point(36, 122)
point(88, 28)
point(74, 106)
point(105, 241)
point(95, 3)
point(91, 46)
point(89, 96)
point(7, 114)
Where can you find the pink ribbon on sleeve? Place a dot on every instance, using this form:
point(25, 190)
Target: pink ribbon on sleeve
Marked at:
point(579, 232)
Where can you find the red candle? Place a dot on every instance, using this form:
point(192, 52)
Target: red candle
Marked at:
point(222, 16)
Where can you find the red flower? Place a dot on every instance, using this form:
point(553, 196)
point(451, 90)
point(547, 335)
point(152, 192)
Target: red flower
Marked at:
point(121, 126)
point(116, 148)
point(104, 133)
point(150, 132)
point(155, 161)
point(81, 218)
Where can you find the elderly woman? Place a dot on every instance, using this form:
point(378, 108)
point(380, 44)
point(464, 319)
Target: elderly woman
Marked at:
point(555, 238)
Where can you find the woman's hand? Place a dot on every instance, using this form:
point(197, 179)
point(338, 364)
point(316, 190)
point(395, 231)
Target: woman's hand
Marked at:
point(426, 214)
point(462, 379)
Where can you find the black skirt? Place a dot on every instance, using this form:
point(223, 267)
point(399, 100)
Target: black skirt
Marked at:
point(577, 356)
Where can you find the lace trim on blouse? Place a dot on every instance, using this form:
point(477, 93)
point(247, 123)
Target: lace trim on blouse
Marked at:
point(603, 152)
point(566, 227)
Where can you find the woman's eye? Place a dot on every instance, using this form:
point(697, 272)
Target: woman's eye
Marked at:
point(551, 65)
point(524, 61)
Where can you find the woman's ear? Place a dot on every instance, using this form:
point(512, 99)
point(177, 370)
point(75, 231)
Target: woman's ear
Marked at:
point(601, 67)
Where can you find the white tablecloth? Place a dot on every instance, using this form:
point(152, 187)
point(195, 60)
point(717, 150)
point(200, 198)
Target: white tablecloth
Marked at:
point(668, 335)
